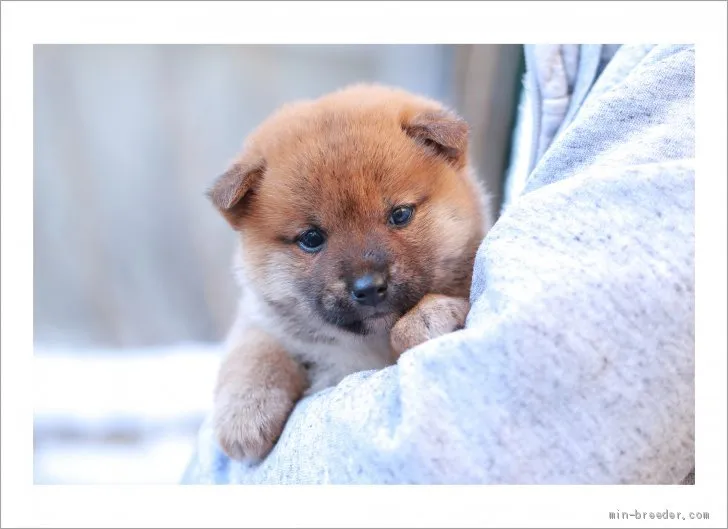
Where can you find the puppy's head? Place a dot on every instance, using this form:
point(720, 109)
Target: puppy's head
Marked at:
point(352, 207)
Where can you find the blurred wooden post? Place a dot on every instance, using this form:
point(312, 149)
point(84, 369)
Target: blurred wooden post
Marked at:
point(487, 84)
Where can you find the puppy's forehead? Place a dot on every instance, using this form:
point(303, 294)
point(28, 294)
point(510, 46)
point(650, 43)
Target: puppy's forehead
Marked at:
point(344, 155)
point(352, 165)
point(351, 137)
point(358, 126)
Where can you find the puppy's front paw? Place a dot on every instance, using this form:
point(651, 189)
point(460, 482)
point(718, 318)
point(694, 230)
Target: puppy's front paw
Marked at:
point(433, 316)
point(247, 426)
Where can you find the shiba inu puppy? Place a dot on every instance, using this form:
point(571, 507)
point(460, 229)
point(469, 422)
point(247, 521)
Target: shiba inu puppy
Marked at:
point(358, 218)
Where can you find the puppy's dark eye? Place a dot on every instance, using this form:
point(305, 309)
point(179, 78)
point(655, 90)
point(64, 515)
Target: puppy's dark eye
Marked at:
point(311, 240)
point(401, 216)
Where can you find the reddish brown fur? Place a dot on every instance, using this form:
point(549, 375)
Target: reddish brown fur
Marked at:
point(341, 163)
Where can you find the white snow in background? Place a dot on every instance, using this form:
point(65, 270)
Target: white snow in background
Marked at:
point(161, 461)
point(158, 395)
point(149, 385)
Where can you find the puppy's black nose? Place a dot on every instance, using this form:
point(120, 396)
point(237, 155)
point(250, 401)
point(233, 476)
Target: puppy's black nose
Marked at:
point(369, 289)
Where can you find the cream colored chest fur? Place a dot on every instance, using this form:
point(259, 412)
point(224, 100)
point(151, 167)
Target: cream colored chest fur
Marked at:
point(326, 363)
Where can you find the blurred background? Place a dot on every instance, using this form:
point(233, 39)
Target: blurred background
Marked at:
point(132, 285)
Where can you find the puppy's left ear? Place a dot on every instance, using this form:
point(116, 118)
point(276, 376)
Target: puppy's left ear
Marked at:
point(231, 188)
point(442, 133)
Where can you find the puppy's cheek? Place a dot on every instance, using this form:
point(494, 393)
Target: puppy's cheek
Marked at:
point(410, 274)
point(334, 293)
point(331, 298)
point(272, 268)
point(452, 259)
point(328, 301)
point(406, 291)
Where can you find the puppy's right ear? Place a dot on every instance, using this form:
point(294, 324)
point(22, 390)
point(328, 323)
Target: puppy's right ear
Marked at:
point(229, 191)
